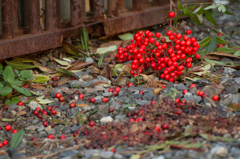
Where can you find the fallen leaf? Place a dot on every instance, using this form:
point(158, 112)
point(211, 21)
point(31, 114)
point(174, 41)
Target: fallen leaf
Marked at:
point(117, 43)
point(21, 113)
point(134, 128)
point(67, 90)
point(79, 65)
point(120, 77)
point(61, 62)
point(108, 74)
point(221, 53)
point(37, 86)
point(127, 68)
point(69, 48)
point(19, 66)
point(44, 69)
point(64, 71)
point(197, 69)
point(98, 83)
point(96, 89)
point(81, 105)
point(103, 50)
point(41, 79)
point(63, 81)
point(126, 36)
point(216, 138)
point(234, 106)
point(43, 101)
point(157, 91)
point(1, 112)
point(211, 101)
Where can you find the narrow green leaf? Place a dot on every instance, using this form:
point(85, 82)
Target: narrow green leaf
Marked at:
point(211, 7)
point(103, 50)
point(58, 121)
point(136, 156)
point(126, 36)
point(8, 74)
point(226, 49)
point(64, 71)
point(182, 14)
point(216, 138)
point(41, 79)
point(219, 8)
point(221, 41)
point(16, 138)
point(101, 59)
point(200, 11)
point(179, 6)
point(5, 119)
point(205, 42)
point(175, 20)
point(196, 10)
point(185, 11)
point(228, 13)
point(192, 7)
point(22, 90)
point(193, 17)
point(69, 48)
point(114, 72)
point(5, 91)
point(20, 66)
point(43, 101)
point(237, 53)
point(209, 17)
point(80, 116)
point(212, 46)
point(85, 39)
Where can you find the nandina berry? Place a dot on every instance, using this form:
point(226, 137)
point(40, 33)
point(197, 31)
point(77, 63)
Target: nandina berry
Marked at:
point(220, 34)
point(220, 45)
point(157, 35)
point(152, 102)
point(72, 105)
point(188, 31)
point(53, 112)
point(171, 14)
point(184, 91)
point(111, 109)
point(61, 99)
point(165, 126)
point(193, 85)
point(1, 145)
point(157, 128)
point(130, 84)
point(54, 78)
point(93, 100)
point(177, 100)
point(35, 112)
point(8, 127)
point(77, 92)
point(141, 92)
point(215, 97)
point(54, 84)
point(178, 112)
point(34, 138)
point(105, 100)
point(58, 95)
point(200, 93)
point(26, 86)
point(197, 56)
point(115, 93)
point(45, 123)
point(14, 131)
point(91, 123)
point(81, 96)
point(117, 89)
point(5, 142)
point(20, 103)
point(113, 150)
point(62, 137)
point(39, 116)
point(44, 112)
point(49, 108)
point(110, 90)
point(50, 136)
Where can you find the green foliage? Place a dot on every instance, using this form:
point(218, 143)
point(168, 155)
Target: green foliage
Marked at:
point(85, 39)
point(16, 138)
point(8, 81)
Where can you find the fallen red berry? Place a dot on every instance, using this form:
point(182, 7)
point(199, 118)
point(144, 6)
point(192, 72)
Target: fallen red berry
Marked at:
point(184, 91)
point(34, 138)
point(105, 100)
point(200, 93)
point(14, 131)
point(20, 103)
point(50, 136)
point(49, 108)
point(178, 112)
point(115, 93)
point(54, 78)
point(58, 95)
point(8, 127)
point(117, 89)
point(91, 123)
point(61, 99)
point(110, 90)
point(53, 112)
point(193, 85)
point(5, 142)
point(81, 96)
point(215, 97)
point(1, 145)
point(220, 34)
point(165, 126)
point(130, 84)
point(141, 92)
point(72, 105)
point(93, 100)
point(188, 31)
point(35, 112)
point(62, 137)
point(45, 123)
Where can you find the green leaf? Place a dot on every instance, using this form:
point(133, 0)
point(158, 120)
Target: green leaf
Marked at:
point(41, 79)
point(212, 46)
point(226, 49)
point(216, 138)
point(211, 7)
point(215, 62)
point(209, 17)
point(135, 156)
point(43, 101)
point(114, 72)
point(71, 49)
point(205, 42)
point(221, 8)
point(85, 39)
point(61, 62)
point(5, 91)
point(17, 83)
point(192, 7)
point(175, 20)
point(22, 90)
point(5, 119)
point(182, 14)
point(8, 74)
point(237, 53)
point(193, 17)
point(185, 11)
point(14, 100)
point(101, 59)
point(228, 13)
point(58, 121)
point(221, 41)
point(176, 91)
point(26, 74)
point(196, 10)
point(1, 85)
point(64, 71)
point(179, 6)
point(19, 66)
point(202, 52)
point(117, 66)
point(126, 36)
point(16, 138)
point(103, 50)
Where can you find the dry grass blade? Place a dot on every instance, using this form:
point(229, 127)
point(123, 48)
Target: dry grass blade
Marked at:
point(220, 53)
point(63, 81)
point(38, 86)
point(81, 105)
point(80, 65)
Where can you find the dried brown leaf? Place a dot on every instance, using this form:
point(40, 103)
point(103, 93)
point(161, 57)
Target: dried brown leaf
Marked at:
point(197, 69)
point(44, 69)
point(67, 90)
point(125, 43)
point(79, 65)
point(63, 81)
point(157, 91)
point(127, 68)
point(211, 101)
point(220, 53)
point(38, 86)
point(120, 77)
point(81, 105)
point(108, 74)
point(98, 83)
point(95, 90)
point(21, 113)
point(134, 128)
point(110, 43)
point(211, 57)
point(1, 112)
point(75, 120)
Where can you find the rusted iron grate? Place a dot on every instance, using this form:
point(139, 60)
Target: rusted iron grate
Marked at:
point(42, 34)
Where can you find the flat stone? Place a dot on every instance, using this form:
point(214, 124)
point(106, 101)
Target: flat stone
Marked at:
point(231, 89)
point(137, 95)
point(12, 107)
point(193, 98)
point(64, 107)
point(69, 153)
point(106, 119)
point(220, 151)
point(107, 94)
point(118, 156)
point(106, 154)
point(98, 115)
point(33, 105)
point(32, 127)
point(101, 78)
point(142, 102)
point(41, 128)
point(211, 91)
point(123, 81)
point(193, 90)
point(148, 96)
point(237, 80)
point(225, 99)
point(180, 86)
point(203, 82)
point(115, 105)
point(226, 80)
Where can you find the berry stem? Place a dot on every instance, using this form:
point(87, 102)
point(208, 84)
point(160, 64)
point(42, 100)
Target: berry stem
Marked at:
point(171, 3)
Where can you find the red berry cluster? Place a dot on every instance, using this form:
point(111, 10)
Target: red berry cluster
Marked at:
point(147, 50)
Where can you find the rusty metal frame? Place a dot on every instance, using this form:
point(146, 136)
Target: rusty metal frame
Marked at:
point(37, 40)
